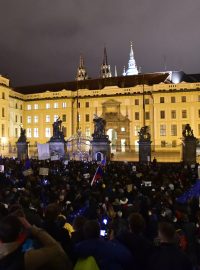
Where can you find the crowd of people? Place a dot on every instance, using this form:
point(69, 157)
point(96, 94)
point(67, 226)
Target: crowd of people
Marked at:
point(130, 218)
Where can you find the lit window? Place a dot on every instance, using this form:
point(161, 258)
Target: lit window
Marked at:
point(29, 119)
point(87, 132)
point(48, 106)
point(47, 132)
point(35, 133)
point(35, 119)
point(55, 105)
point(123, 129)
point(29, 132)
point(29, 107)
point(64, 105)
point(137, 129)
point(55, 117)
point(87, 104)
point(36, 106)
point(79, 117)
point(162, 130)
point(48, 118)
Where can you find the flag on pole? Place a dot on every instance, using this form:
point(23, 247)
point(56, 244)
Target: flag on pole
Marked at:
point(98, 175)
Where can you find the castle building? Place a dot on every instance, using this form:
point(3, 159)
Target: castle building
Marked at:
point(164, 101)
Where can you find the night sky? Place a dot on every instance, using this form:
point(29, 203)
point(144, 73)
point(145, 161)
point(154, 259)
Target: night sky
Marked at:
point(41, 40)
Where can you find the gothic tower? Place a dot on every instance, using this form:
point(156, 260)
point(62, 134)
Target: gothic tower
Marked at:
point(105, 71)
point(81, 71)
point(132, 67)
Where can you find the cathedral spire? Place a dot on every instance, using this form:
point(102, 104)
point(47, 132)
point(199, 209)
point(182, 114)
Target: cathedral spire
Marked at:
point(105, 71)
point(81, 71)
point(132, 67)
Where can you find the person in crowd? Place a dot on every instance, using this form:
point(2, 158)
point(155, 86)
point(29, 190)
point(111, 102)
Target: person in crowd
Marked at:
point(108, 255)
point(15, 255)
point(135, 240)
point(167, 256)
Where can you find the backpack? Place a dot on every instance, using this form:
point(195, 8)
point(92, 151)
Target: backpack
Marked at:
point(86, 264)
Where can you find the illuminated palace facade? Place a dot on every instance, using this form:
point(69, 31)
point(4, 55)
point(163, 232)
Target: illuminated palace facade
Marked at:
point(164, 101)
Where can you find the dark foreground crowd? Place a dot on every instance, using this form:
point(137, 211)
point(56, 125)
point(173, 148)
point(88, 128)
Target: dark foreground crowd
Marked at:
point(129, 219)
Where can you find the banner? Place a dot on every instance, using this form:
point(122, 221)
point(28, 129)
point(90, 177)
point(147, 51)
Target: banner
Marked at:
point(43, 171)
point(28, 172)
point(43, 151)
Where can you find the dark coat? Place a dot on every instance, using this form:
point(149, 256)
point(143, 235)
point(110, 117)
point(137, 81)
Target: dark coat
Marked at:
point(169, 257)
point(109, 255)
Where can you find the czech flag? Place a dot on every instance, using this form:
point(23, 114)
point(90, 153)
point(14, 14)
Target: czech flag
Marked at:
point(98, 175)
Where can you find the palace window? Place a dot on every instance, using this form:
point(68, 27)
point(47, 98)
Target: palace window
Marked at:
point(3, 95)
point(87, 118)
point(3, 112)
point(199, 113)
point(47, 132)
point(173, 114)
point(137, 129)
point(87, 104)
point(146, 101)
point(29, 132)
point(16, 106)
point(162, 114)
point(35, 133)
point(87, 132)
point(173, 130)
point(162, 130)
point(48, 118)
point(173, 99)
point(16, 119)
point(21, 107)
point(3, 130)
point(183, 99)
point(29, 119)
point(147, 115)
point(55, 117)
point(184, 113)
point(64, 118)
point(55, 105)
point(163, 143)
point(183, 127)
point(174, 143)
point(64, 105)
point(29, 107)
point(36, 106)
point(137, 116)
point(35, 119)
point(21, 119)
point(162, 100)
point(79, 104)
point(123, 129)
point(137, 102)
point(198, 98)
point(199, 129)
point(16, 132)
point(48, 106)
